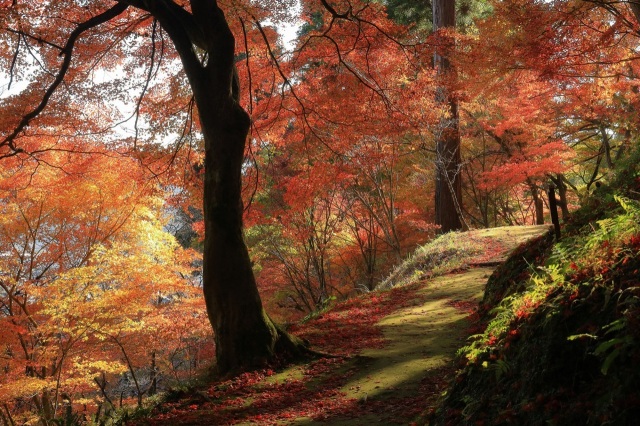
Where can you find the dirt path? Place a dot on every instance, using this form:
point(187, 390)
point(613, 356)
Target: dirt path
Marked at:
point(423, 339)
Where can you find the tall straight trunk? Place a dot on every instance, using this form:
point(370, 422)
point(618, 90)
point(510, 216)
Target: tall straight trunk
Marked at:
point(245, 336)
point(562, 202)
point(448, 195)
point(559, 181)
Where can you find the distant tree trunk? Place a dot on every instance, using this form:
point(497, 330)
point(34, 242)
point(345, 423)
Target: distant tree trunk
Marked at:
point(564, 206)
point(153, 375)
point(448, 195)
point(553, 207)
point(559, 182)
point(538, 203)
point(245, 336)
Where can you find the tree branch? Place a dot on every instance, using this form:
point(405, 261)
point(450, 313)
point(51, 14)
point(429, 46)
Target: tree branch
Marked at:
point(182, 29)
point(66, 52)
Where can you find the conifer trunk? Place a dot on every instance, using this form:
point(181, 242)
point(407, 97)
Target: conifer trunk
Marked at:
point(448, 196)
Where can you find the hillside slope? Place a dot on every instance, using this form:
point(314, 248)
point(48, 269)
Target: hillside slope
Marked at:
point(562, 344)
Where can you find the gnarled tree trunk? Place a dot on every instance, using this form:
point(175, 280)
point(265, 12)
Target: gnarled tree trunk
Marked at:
point(245, 336)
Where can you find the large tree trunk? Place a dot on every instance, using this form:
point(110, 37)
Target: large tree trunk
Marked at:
point(245, 336)
point(448, 195)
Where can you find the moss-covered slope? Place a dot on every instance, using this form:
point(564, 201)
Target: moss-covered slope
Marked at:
point(562, 344)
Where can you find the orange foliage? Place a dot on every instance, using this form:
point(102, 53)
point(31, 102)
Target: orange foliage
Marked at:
point(90, 283)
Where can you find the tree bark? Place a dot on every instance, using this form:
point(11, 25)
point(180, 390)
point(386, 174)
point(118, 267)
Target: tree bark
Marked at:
point(245, 336)
point(553, 207)
point(448, 194)
point(559, 182)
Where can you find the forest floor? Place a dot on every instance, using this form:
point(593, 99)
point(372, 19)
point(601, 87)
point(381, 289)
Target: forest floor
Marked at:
point(394, 355)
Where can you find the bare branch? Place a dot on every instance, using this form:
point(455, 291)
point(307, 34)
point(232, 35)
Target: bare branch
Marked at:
point(13, 63)
point(38, 40)
point(246, 49)
point(147, 80)
point(333, 12)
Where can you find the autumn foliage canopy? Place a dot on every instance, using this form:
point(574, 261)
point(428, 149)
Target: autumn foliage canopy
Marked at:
point(113, 122)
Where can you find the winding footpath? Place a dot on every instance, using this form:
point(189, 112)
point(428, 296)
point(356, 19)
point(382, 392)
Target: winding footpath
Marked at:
point(422, 340)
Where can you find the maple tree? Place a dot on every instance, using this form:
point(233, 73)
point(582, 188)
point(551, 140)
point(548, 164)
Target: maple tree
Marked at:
point(297, 243)
point(205, 45)
point(87, 290)
point(317, 233)
point(520, 140)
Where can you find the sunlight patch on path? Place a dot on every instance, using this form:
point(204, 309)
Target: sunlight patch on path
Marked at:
point(420, 338)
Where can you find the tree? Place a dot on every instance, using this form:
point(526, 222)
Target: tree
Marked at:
point(298, 238)
point(448, 197)
point(68, 43)
point(519, 131)
point(245, 336)
point(87, 290)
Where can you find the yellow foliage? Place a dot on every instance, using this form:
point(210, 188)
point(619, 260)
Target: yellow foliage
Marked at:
point(93, 283)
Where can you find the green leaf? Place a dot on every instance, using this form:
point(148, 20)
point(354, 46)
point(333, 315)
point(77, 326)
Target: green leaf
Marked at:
point(616, 325)
point(582, 336)
point(605, 346)
point(609, 360)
